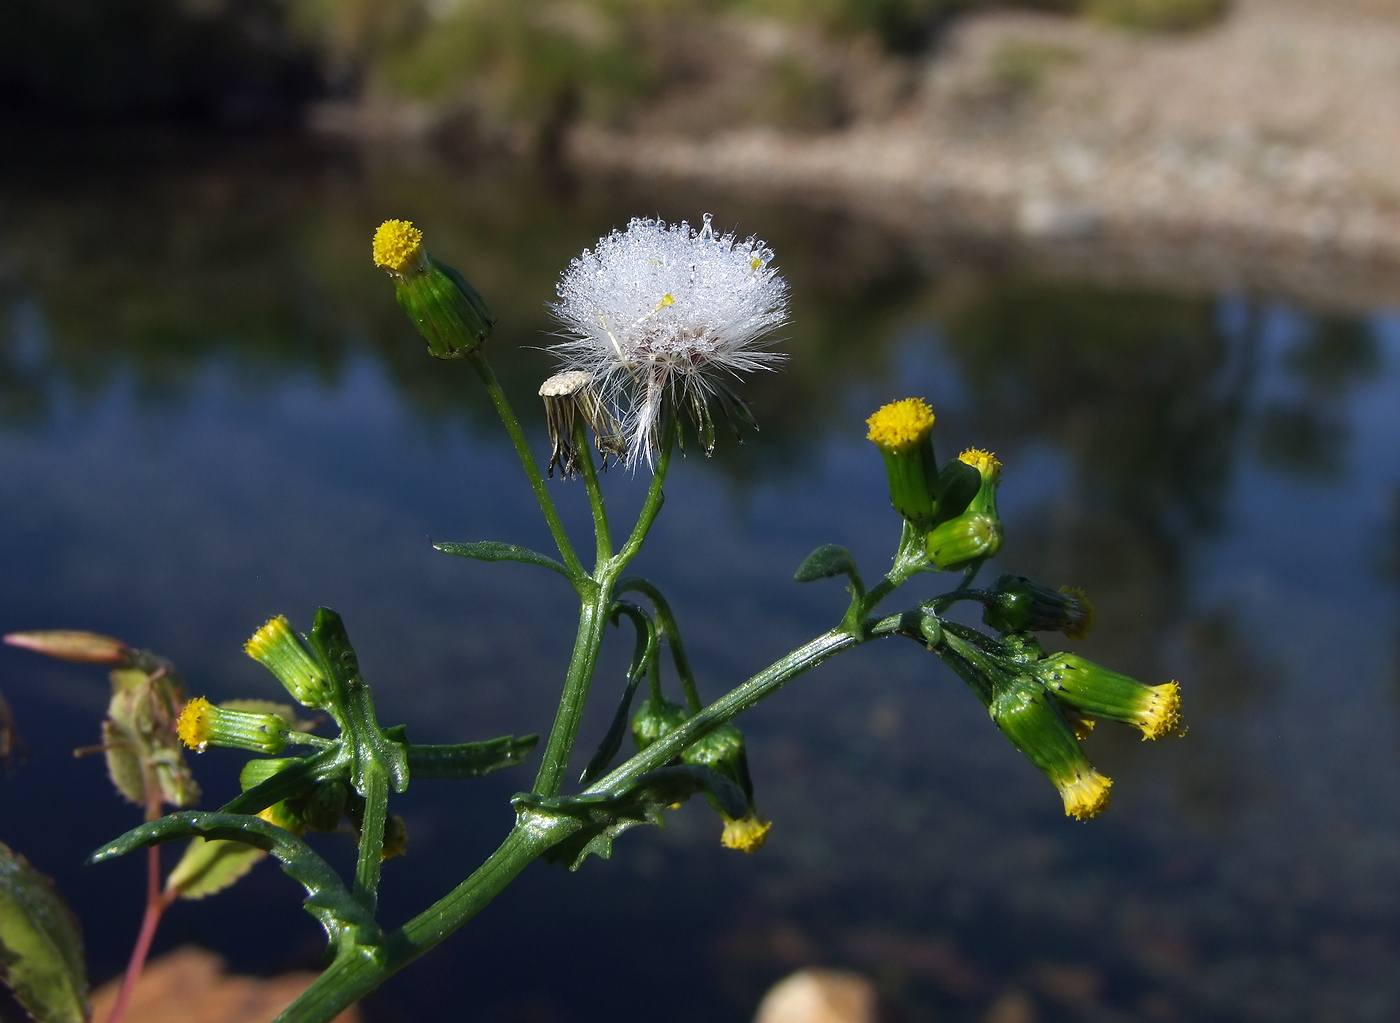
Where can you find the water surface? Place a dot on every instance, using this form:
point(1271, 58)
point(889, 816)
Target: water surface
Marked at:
point(211, 411)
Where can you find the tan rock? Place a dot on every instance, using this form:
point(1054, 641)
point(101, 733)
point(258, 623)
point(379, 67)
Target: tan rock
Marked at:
point(189, 985)
point(820, 996)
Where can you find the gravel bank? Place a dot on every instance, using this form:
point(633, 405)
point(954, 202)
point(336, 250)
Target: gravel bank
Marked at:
point(1264, 153)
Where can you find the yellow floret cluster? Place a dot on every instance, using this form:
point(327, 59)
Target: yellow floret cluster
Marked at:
point(983, 461)
point(194, 725)
point(267, 637)
point(901, 424)
point(397, 244)
point(747, 834)
point(1085, 795)
point(1162, 713)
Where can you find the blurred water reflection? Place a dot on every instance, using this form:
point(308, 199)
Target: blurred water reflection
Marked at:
point(213, 411)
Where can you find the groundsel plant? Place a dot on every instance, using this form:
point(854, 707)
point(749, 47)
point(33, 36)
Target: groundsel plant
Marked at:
point(662, 321)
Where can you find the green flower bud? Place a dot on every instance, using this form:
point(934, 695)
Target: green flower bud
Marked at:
point(903, 431)
point(723, 751)
point(452, 317)
point(278, 649)
point(395, 838)
point(989, 469)
point(1022, 647)
point(1017, 605)
point(655, 719)
point(255, 772)
point(1035, 725)
point(325, 804)
point(968, 537)
point(202, 723)
point(1097, 692)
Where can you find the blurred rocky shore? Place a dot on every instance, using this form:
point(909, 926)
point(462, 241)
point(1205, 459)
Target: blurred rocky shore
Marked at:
point(1262, 152)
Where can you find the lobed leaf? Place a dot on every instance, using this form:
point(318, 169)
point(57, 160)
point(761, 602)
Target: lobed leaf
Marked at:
point(467, 759)
point(346, 922)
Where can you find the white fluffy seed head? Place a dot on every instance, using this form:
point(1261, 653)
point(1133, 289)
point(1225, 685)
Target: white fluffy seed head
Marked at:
point(662, 312)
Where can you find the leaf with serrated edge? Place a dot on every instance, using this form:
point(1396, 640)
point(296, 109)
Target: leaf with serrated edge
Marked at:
point(209, 867)
point(41, 948)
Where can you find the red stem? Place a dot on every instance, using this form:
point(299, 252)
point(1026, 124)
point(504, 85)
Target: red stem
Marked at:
point(157, 901)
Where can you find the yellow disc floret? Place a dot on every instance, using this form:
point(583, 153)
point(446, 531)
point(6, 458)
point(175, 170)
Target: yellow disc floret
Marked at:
point(747, 834)
point(194, 724)
point(1086, 794)
point(267, 638)
point(1162, 713)
point(397, 244)
point(983, 461)
point(901, 424)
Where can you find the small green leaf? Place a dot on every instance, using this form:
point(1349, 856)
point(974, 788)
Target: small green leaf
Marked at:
point(41, 947)
point(494, 550)
point(347, 923)
point(208, 867)
point(826, 561)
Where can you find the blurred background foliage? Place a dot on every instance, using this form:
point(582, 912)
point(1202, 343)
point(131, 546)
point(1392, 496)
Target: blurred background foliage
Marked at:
point(528, 66)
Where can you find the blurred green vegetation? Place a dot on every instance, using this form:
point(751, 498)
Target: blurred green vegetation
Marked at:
point(536, 64)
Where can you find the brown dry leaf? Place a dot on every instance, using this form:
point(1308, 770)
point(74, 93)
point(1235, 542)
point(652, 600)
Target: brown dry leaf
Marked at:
point(189, 986)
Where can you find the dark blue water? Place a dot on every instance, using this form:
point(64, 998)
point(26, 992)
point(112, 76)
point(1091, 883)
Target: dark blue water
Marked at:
point(211, 411)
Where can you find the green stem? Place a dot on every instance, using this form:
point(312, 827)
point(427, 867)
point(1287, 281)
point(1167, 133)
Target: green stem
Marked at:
point(371, 854)
point(666, 626)
point(351, 977)
point(655, 499)
point(527, 459)
point(731, 704)
point(909, 560)
point(592, 619)
point(602, 534)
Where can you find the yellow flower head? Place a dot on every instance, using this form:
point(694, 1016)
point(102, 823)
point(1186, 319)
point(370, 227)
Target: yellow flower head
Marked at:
point(1162, 713)
point(194, 724)
point(1083, 622)
point(901, 425)
point(983, 461)
point(1085, 795)
point(747, 834)
point(397, 245)
point(276, 647)
point(267, 638)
